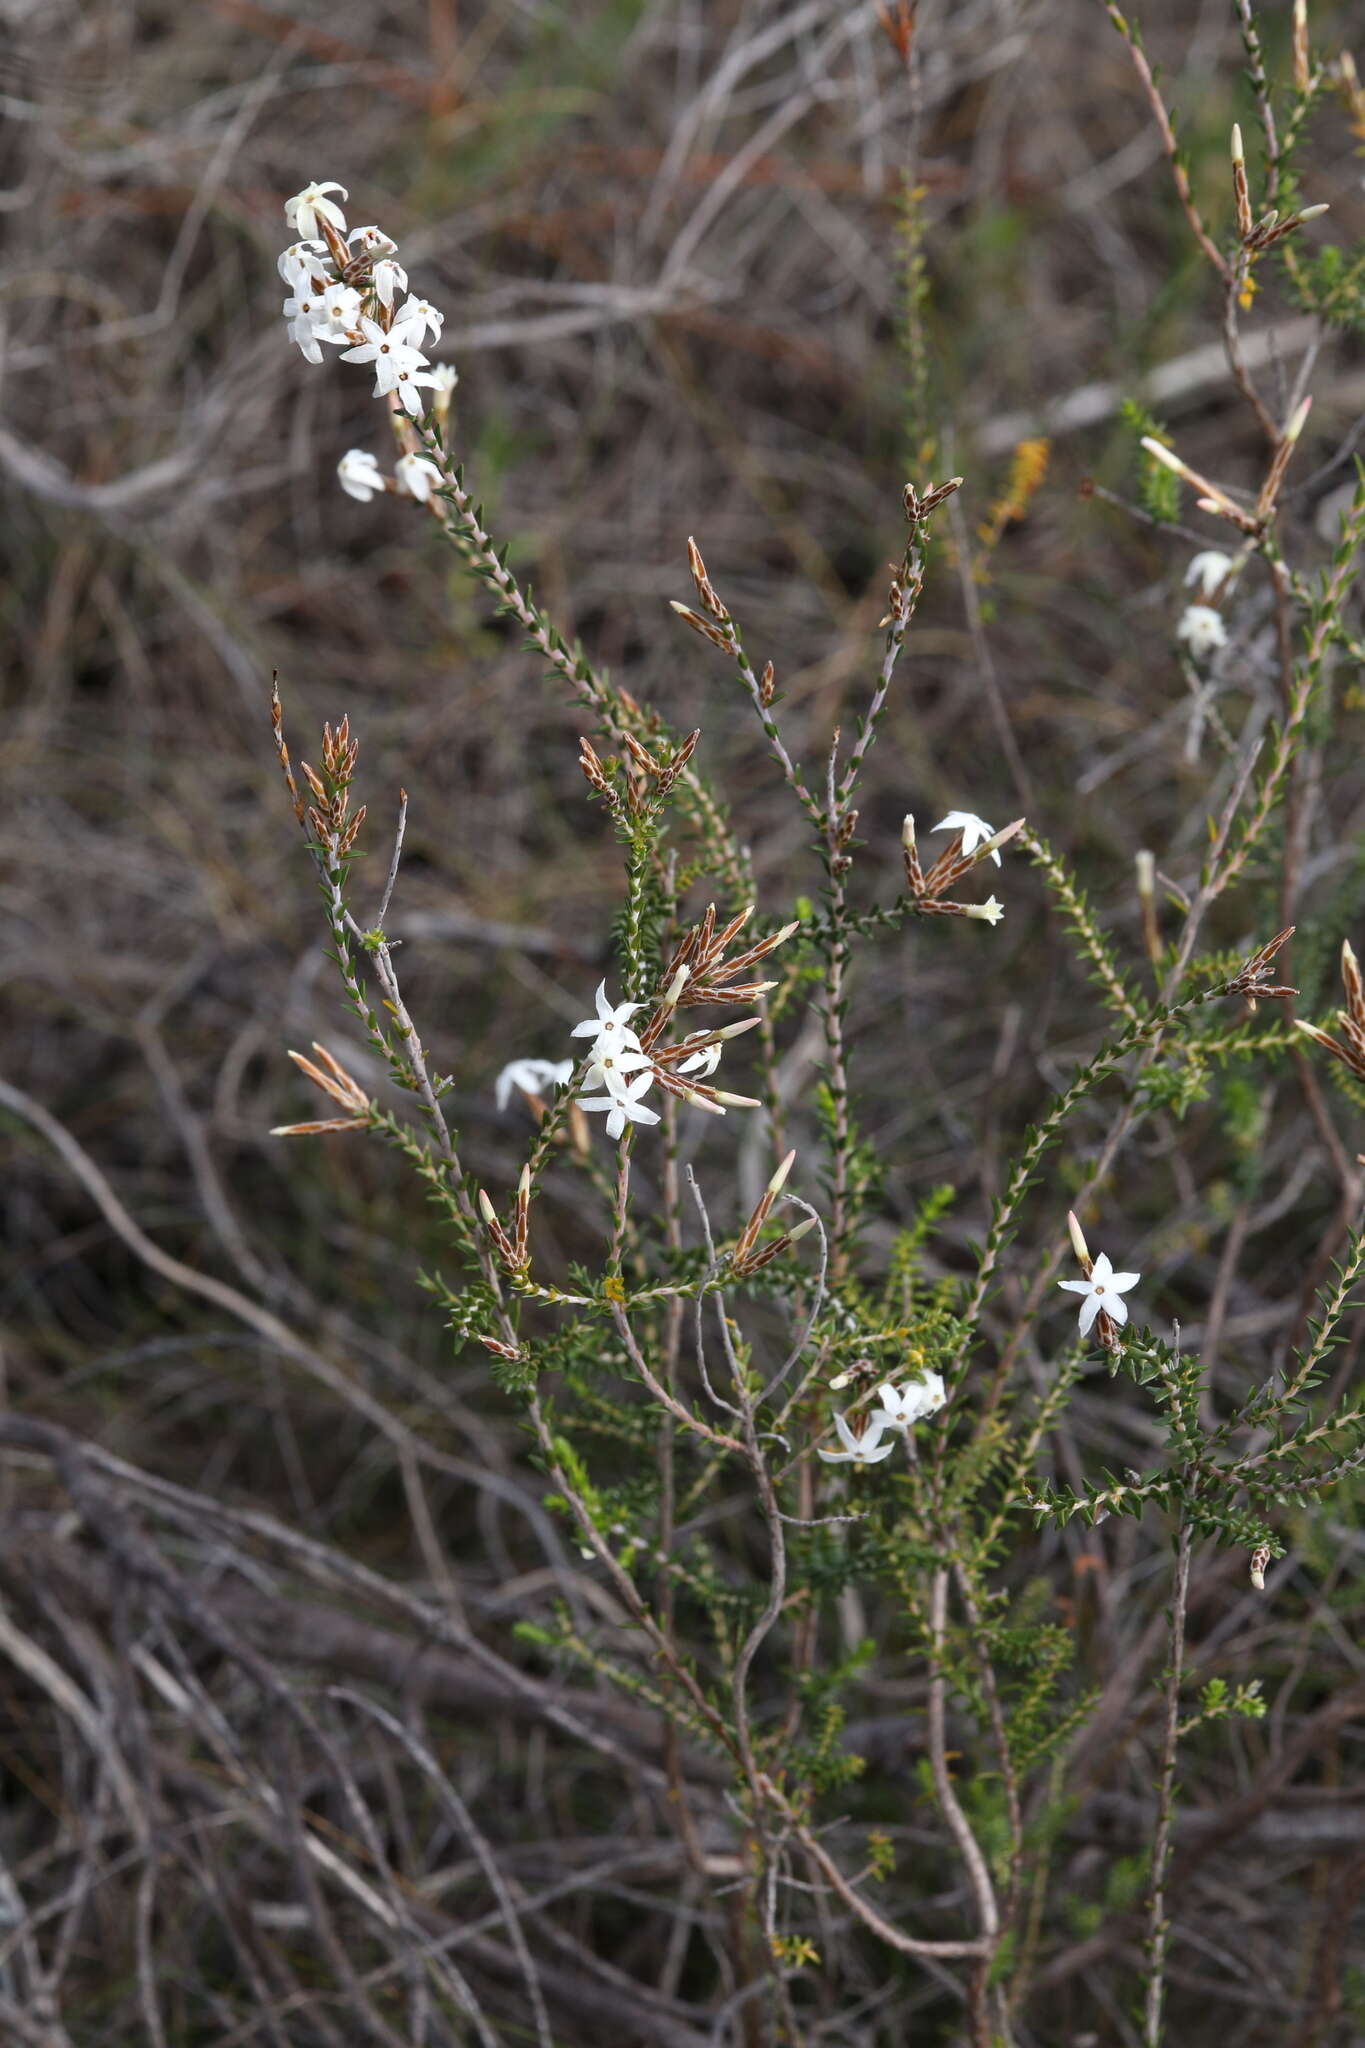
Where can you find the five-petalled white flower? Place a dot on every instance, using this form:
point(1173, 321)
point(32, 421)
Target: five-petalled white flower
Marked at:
point(418, 477)
point(622, 1101)
point(371, 241)
point(306, 208)
point(906, 1405)
point(389, 277)
point(420, 313)
point(398, 364)
point(532, 1077)
point(359, 474)
point(1103, 1290)
point(1209, 570)
point(609, 1029)
point(867, 1449)
point(972, 828)
point(1202, 630)
point(303, 263)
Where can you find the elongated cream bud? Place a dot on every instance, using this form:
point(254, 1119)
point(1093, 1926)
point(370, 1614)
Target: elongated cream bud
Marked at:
point(1237, 156)
point(676, 987)
point(486, 1209)
point(1145, 863)
point(524, 1185)
point(802, 1230)
point(738, 1101)
point(779, 1179)
point(1312, 212)
point(908, 833)
point(1296, 425)
point(839, 1382)
point(1078, 1244)
point(703, 1102)
point(787, 931)
point(737, 1030)
point(1162, 454)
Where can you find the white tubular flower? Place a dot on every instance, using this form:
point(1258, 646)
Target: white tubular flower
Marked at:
point(340, 315)
point(532, 1077)
point(1103, 1290)
point(302, 262)
point(390, 277)
point(910, 1404)
point(420, 313)
point(704, 1062)
point(417, 476)
point(989, 912)
point(444, 378)
point(359, 474)
point(301, 330)
point(972, 828)
point(1209, 570)
point(622, 1104)
point(305, 209)
point(371, 241)
point(398, 366)
point(608, 1029)
point(867, 1449)
point(1202, 630)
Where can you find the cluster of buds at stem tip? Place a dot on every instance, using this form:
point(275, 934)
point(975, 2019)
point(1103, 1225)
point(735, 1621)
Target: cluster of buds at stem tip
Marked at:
point(1258, 235)
point(928, 886)
point(1351, 1019)
point(333, 1079)
point(1253, 979)
point(717, 626)
point(1212, 498)
point(710, 977)
point(329, 814)
point(746, 1258)
point(646, 778)
point(918, 508)
point(513, 1251)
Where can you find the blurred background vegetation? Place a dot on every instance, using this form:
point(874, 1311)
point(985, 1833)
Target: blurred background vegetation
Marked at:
point(686, 293)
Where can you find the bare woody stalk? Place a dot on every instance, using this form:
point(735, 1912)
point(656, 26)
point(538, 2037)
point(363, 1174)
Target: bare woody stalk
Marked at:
point(1158, 1927)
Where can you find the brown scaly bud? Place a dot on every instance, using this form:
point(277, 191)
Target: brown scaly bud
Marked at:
point(766, 686)
point(700, 625)
point(914, 873)
point(282, 751)
point(499, 1349)
point(1260, 1558)
point(939, 495)
point(669, 774)
point(593, 769)
point(898, 27)
point(641, 756)
point(846, 827)
point(331, 1077)
point(502, 1243)
point(705, 588)
point(1240, 191)
point(1351, 1019)
point(1253, 979)
point(348, 837)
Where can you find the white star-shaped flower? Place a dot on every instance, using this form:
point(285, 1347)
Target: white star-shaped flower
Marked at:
point(340, 315)
point(301, 333)
point(608, 1029)
point(867, 1449)
point(305, 209)
point(1202, 630)
point(1103, 1290)
point(532, 1077)
point(1208, 570)
point(421, 313)
point(417, 476)
point(972, 828)
point(910, 1404)
point(398, 365)
point(372, 241)
point(621, 1103)
point(989, 912)
point(390, 277)
point(359, 474)
point(704, 1062)
point(303, 262)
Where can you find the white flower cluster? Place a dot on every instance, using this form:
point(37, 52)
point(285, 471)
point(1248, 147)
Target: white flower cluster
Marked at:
point(344, 290)
point(1201, 627)
point(618, 1068)
point(901, 1408)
